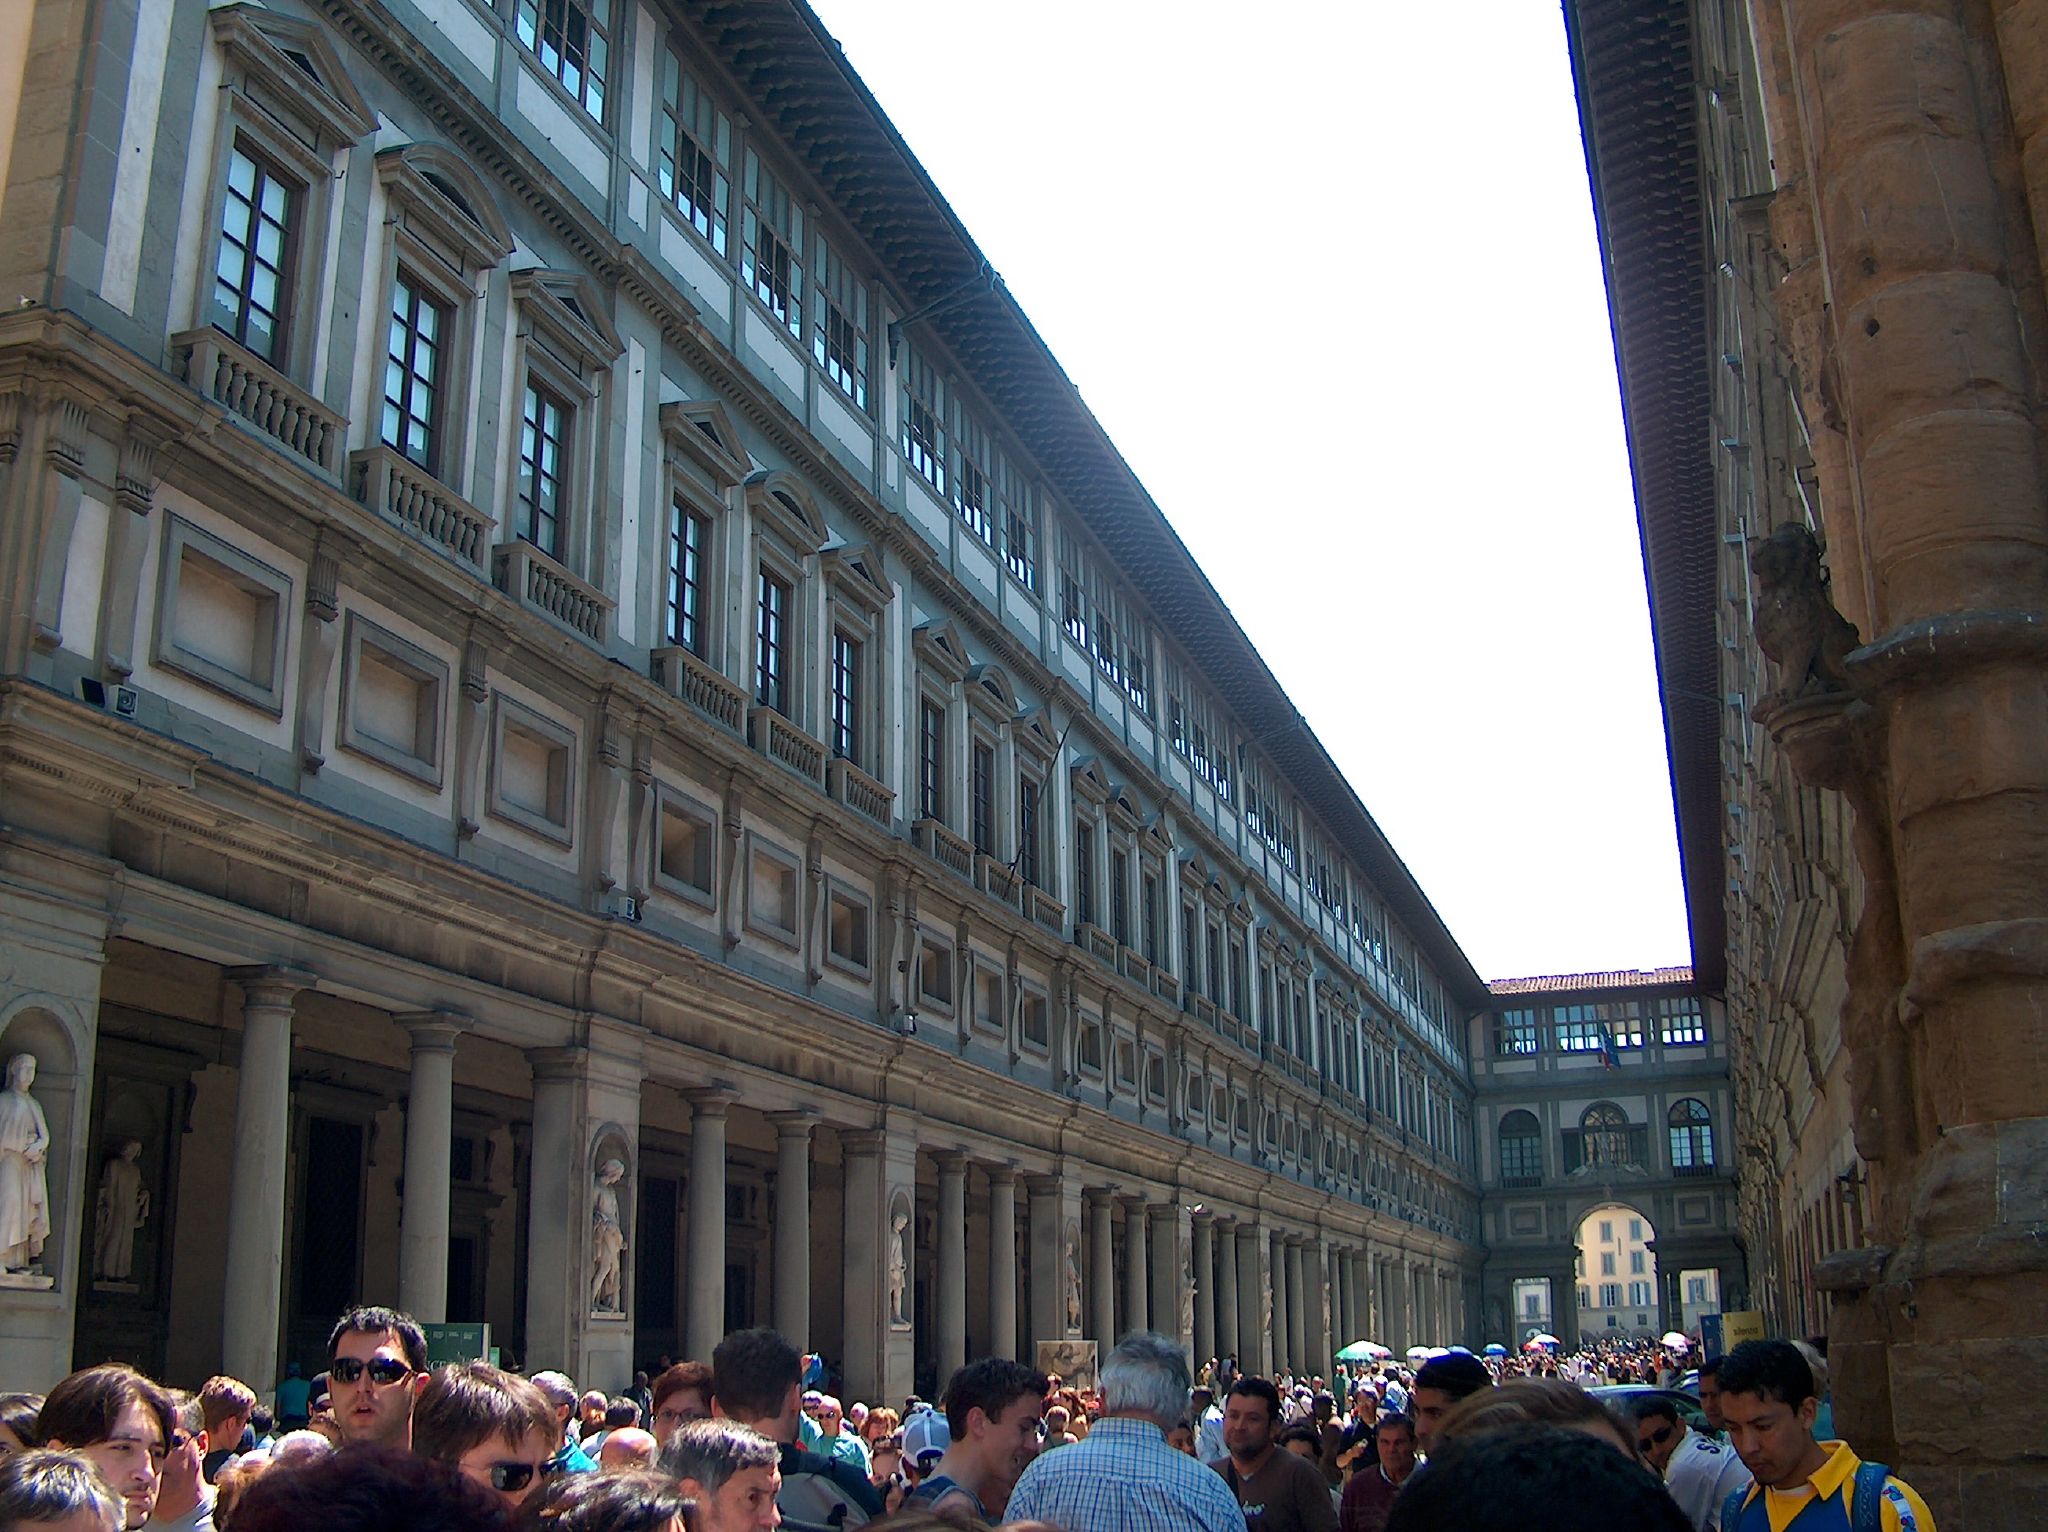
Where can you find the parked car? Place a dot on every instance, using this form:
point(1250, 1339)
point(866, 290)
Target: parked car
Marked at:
point(1621, 1397)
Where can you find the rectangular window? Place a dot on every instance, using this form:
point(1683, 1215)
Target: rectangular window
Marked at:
point(981, 792)
point(839, 329)
point(1610, 1295)
point(1606, 1231)
point(694, 157)
point(1148, 915)
point(1237, 978)
point(543, 437)
point(771, 644)
point(772, 234)
point(1521, 1159)
point(412, 373)
point(1084, 874)
point(1020, 528)
point(1190, 970)
point(252, 274)
point(931, 760)
point(689, 536)
point(1635, 1231)
point(1578, 1031)
point(1119, 897)
point(1635, 1262)
point(1679, 1022)
point(1027, 832)
point(846, 656)
point(971, 449)
point(1515, 1034)
point(924, 438)
point(1607, 1263)
point(572, 40)
point(1212, 952)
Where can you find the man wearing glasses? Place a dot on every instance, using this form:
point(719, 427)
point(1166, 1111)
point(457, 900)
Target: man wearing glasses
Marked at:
point(490, 1426)
point(378, 1367)
point(1700, 1472)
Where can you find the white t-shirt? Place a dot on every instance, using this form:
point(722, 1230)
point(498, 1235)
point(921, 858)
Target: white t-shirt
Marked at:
point(1701, 1475)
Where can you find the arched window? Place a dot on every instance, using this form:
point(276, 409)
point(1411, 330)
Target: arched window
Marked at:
point(1521, 1150)
point(1605, 1132)
point(1692, 1139)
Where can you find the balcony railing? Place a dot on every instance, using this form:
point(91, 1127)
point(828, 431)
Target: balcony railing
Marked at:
point(242, 383)
point(944, 847)
point(1166, 986)
point(780, 740)
point(1695, 1170)
point(522, 571)
point(1600, 1149)
point(1099, 944)
point(1045, 909)
point(681, 674)
point(999, 880)
point(1136, 969)
point(402, 491)
point(859, 791)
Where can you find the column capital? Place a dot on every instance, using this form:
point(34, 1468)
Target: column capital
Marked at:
point(1045, 1184)
point(272, 984)
point(797, 1122)
point(711, 1102)
point(951, 1162)
point(433, 1031)
point(1001, 1175)
point(1104, 1195)
point(567, 1063)
point(863, 1140)
point(1135, 1202)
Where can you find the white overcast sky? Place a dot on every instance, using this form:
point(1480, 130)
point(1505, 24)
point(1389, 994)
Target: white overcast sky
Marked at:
point(1326, 272)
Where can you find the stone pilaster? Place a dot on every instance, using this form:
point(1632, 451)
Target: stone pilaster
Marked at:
point(1137, 1264)
point(949, 1272)
point(793, 1225)
point(1102, 1268)
point(1002, 1261)
point(1202, 1236)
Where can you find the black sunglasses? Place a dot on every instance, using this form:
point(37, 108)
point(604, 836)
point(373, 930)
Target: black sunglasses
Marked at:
point(511, 1476)
point(1656, 1438)
point(383, 1370)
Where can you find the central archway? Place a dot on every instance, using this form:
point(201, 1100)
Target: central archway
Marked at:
point(1616, 1274)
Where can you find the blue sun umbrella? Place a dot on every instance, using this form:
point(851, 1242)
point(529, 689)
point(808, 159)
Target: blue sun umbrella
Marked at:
point(1496, 1349)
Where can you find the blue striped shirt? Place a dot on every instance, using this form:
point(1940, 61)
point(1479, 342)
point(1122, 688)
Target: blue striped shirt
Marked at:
point(1122, 1477)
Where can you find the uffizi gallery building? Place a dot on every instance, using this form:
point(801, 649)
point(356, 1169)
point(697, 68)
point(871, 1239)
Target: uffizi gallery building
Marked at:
point(593, 739)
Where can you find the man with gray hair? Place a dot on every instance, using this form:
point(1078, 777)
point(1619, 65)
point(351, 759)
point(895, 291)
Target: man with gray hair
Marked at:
point(56, 1489)
point(730, 1470)
point(566, 1456)
point(1122, 1476)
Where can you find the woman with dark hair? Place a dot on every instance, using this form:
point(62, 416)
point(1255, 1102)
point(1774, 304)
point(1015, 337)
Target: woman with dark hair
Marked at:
point(18, 1422)
point(610, 1502)
point(370, 1488)
point(1537, 1401)
point(1531, 1475)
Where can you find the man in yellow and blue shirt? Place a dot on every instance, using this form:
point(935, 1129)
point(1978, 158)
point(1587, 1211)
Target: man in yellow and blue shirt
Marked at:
point(1802, 1485)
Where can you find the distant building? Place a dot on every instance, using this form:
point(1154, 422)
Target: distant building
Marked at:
point(1605, 1116)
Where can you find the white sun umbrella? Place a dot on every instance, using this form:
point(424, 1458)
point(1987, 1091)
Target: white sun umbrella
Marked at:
point(1418, 1353)
point(1678, 1340)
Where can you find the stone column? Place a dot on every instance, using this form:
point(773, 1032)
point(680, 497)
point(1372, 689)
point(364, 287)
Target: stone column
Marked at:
point(253, 1291)
point(1203, 1236)
point(1171, 1312)
point(1102, 1270)
point(1401, 1336)
point(1277, 1328)
point(1254, 1334)
point(1297, 1307)
point(429, 1139)
point(793, 1226)
point(1229, 1338)
point(1137, 1268)
point(704, 1316)
point(949, 1278)
point(1364, 1315)
point(1315, 1297)
point(1002, 1261)
point(1340, 1297)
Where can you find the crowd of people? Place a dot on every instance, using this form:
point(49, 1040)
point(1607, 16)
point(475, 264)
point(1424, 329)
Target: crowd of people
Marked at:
point(751, 1440)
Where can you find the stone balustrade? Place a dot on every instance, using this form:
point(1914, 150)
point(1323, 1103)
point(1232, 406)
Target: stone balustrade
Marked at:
point(523, 572)
point(682, 674)
point(244, 384)
point(399, 490)
point(780, 740)
point(859, 791)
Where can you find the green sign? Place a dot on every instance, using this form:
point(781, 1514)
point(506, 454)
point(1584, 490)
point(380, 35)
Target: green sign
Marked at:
point(457, 1343)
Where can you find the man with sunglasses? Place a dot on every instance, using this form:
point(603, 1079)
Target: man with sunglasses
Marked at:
point(490, 1426)
point(377, 1367)
point(1700, 1472)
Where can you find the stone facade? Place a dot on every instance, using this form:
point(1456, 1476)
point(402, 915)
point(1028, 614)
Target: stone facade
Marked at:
point(1860, 355)
point(552, 617)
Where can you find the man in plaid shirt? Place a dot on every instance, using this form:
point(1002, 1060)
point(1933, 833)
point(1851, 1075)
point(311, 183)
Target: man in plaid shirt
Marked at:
point(1123, 1477)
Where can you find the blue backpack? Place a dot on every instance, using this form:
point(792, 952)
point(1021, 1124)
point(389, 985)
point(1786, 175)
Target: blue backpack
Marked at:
point(1866, 1507)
